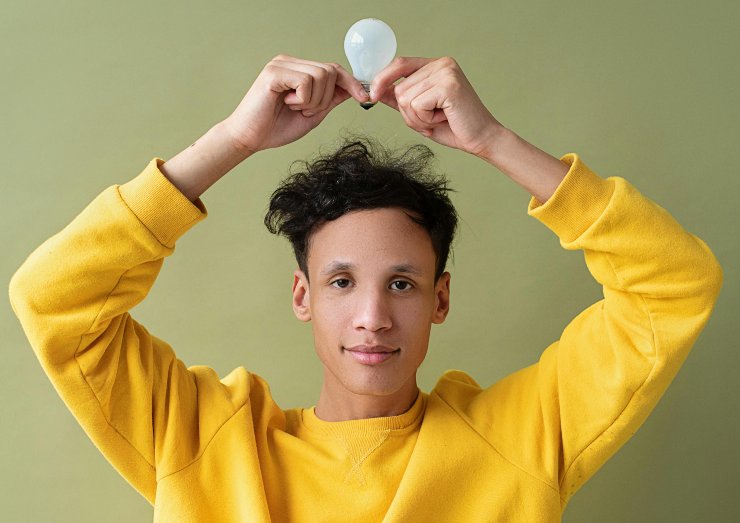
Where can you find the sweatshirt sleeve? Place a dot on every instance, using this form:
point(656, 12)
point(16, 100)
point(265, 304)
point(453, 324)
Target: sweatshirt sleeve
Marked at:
point(563, 417)
point(126, 387)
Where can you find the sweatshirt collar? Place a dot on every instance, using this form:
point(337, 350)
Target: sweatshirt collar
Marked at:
point(409, 419)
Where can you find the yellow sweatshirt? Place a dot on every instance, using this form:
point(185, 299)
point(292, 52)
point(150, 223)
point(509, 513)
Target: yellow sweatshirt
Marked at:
point(209, 449)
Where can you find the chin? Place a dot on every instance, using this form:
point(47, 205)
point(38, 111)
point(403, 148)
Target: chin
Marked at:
point(372, 389)
point(369, 385)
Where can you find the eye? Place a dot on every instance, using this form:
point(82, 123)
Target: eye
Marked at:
point(342, 283)
point(400, 285)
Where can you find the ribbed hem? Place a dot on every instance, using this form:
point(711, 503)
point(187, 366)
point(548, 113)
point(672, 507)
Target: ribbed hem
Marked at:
point(577, 202)
point(160, 206)
point(409, 419)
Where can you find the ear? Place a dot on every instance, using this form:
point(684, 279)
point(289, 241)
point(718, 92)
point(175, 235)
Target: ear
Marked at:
point(441, 298)
point(301, 297)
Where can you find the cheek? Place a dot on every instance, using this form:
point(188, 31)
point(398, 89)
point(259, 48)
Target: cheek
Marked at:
point(417, 312)
point(328, 320)
point(417, 319)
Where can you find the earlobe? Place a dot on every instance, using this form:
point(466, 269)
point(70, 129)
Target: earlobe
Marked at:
point(301, 298)
point(441, 298)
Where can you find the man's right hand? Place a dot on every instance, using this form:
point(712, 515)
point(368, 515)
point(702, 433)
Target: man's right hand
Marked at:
point(289, 98)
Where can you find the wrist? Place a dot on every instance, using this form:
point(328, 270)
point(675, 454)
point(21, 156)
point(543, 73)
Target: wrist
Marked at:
point(532, 168)
point(497, 138)
point(205, 162)
point(235, 139)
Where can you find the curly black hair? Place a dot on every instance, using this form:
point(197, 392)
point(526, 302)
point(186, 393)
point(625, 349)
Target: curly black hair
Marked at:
point(361, 174)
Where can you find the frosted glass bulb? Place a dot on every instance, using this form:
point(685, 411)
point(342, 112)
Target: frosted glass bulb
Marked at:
point(370, 46)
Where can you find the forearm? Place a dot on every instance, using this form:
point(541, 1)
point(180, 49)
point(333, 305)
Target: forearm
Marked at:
point(205, 162)
point(535, 170)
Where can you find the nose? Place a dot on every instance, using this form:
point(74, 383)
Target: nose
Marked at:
point(372, 311)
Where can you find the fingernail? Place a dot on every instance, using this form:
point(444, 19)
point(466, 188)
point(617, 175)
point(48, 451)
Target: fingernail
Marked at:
point(309, 113)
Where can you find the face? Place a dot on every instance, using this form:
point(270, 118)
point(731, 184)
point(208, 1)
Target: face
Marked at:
point(371, 289)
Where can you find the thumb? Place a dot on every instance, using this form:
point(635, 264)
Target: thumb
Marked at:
point(389, 98)
point(340, 95)
point(439, 116)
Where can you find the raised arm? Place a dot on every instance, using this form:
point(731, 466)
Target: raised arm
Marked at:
point(563, 417)
point(287, 100)
point(141, 406)
point(436, 100)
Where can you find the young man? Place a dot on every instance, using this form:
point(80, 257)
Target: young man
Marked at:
point(371, 280)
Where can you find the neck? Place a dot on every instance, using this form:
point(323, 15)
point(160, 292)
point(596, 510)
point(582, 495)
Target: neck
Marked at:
point(337, 403)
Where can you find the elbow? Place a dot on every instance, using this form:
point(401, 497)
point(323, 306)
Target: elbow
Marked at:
point(708, 288)
point(714, 277)
point(19, 296)
point(710, 275)
point(16, 293)
point(26, 301)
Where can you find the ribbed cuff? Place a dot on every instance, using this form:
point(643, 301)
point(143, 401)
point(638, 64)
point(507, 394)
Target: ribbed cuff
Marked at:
point(161, 207)
point(577, 202)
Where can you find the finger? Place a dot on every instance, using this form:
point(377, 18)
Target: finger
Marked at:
point(410, 99)
point(320, 75)
point(340, 95)
point(329, 89)
point(411, 83)
point(417, 117)
point(389, 98)
point(343, 78)
point(412, 124)
point(295, 59)
point(401, 67)
point(327, 96)
point(417, 123)
point(439, 116)
point(283, 81)
point(301, 83)
point(350, 84)
point(407, 117)
point(424, 105)
point(340, 70)
point(346, 84)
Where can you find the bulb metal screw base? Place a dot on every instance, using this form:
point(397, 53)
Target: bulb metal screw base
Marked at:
point(367, 105)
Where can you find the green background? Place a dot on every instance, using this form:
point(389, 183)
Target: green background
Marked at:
point(91, 91)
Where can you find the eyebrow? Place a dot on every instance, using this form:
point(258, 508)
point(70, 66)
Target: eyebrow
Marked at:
point(407, 268)
point(339, 266)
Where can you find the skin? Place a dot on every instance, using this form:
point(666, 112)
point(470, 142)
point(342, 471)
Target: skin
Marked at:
point(371, 277)
point(288, 99)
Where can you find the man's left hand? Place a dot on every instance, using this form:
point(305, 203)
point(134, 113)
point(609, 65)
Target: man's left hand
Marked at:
point(436, 99)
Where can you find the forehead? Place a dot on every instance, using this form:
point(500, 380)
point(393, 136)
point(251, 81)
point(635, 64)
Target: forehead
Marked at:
point(375, 238)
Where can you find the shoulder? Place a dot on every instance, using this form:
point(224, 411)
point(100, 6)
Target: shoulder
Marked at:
point(456, 387)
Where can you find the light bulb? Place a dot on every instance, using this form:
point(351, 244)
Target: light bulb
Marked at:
point(370, 46)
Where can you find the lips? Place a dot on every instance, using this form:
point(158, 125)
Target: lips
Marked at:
point(374, 349)
point(372, 354)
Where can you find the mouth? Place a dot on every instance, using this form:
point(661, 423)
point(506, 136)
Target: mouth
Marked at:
point(371, 354)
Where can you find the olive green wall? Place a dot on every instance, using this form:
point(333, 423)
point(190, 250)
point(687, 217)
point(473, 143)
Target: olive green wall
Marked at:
point(647, 90)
